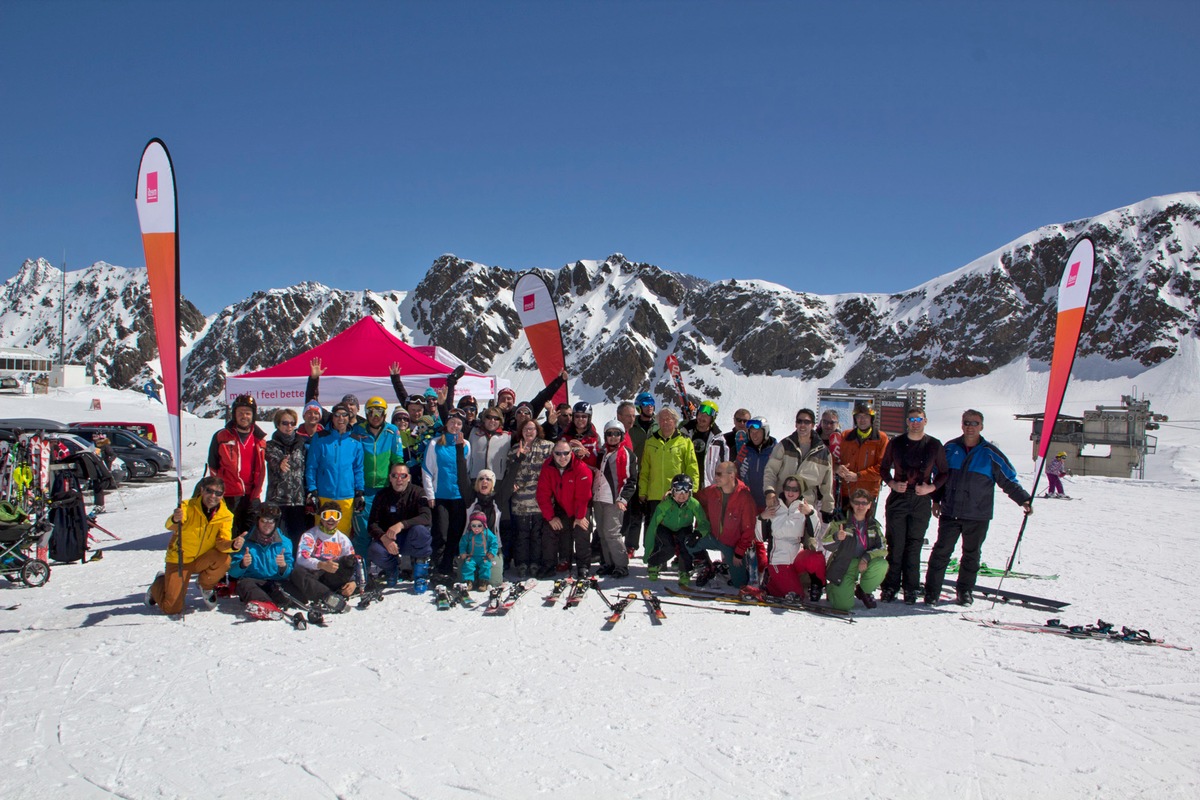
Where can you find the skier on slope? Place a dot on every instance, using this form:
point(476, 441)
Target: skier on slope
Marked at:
point(1055, 471)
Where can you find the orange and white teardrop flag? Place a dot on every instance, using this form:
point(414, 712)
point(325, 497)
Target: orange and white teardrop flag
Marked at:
point(1073, 291)
point(158, 214)
point(539, 317)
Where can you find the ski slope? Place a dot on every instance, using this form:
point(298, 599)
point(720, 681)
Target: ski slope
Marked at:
point(106, 698)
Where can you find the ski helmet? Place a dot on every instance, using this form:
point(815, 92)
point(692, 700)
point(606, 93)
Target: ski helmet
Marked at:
point(376, 403)
point(1062, 454)
point(644, 399)
point(614, 425)
point(708, 407)
point(244, 401)
point(582, 408)
point(682, 483)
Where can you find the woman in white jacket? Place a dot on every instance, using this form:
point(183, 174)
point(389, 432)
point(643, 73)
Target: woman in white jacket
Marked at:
point(796, 565)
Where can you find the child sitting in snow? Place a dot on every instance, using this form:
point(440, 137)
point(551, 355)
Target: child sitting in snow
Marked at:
point(478, 549)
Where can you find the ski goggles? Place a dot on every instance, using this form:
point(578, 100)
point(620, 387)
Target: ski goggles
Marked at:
point(707, 408)
point(754, 425)
point(331, 515)
point(916, 419)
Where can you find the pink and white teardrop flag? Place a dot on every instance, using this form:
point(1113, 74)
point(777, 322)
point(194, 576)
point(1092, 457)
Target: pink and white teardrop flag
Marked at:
point(158, 214)
point(539, 317)
point(1074, 289)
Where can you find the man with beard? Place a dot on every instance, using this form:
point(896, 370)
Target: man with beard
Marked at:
point(237, 455)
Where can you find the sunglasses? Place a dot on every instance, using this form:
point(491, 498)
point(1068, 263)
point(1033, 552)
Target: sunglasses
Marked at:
point(805, 422)
point(791, 488)
point(489, 418)
point(287, 423)
point(401, 475)
point(613, 434)
point(331, 515)
point(341, 415)
point(741, 420)
point(861, 503)
point(918, 419)
point(477, 526)
point(971, 423)
point(561, 453)
point(213, 492)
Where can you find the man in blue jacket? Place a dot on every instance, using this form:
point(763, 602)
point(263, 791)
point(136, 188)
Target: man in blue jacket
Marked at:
point(963, 505)
point(334, 469)
point(265, 562)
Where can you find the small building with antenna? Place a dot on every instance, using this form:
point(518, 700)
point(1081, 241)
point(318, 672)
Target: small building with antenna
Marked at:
point(1112, 441)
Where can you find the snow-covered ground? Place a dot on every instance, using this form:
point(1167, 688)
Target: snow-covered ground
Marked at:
point(104, 698)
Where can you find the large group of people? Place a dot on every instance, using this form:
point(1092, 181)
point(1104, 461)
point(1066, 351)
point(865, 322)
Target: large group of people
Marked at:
point(332, 502)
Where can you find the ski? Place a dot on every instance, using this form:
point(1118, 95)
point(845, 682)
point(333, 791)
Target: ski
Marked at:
point(314, 613)
point(556, 592)
point(1104, 631)
point(441, 596)
point(1005, 596)
point(369, 596)
point(515, 593)
point(618, 608)
point(257, 610)
point(685, 403)
point(652, 604)
point(462, 595)
point(995, 572)
point(767, 601)
point(494, 599)
point(595, 582)
point(578, 590)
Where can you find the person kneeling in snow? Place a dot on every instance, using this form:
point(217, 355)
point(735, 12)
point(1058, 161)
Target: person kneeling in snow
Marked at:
point(325, 561)
point(266, 560)
point(480, 547)
point(399, 526)
point(202, 541)
point(858, 559)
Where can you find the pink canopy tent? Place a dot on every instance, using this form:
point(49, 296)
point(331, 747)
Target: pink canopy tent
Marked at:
point(357, 361)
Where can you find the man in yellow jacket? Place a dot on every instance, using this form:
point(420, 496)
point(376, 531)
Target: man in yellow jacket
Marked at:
point(205, 527)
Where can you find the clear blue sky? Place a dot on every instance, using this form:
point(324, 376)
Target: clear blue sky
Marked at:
point(833, 147)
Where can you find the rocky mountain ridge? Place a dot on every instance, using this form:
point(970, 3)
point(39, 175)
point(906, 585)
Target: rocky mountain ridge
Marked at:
point(622, 318)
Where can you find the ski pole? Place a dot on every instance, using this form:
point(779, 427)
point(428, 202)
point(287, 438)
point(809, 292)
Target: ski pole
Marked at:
point(738, 611)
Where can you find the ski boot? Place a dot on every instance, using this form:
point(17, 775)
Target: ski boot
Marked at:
point(421, 576)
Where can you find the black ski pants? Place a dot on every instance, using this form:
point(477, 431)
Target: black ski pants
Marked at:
point(907, 518)
point(973, 532)
point(315, 584)
point(260, 590)
point(449, 522)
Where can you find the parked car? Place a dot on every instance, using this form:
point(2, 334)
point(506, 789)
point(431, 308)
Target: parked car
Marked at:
point(77, 444)
point(131, 446)
point(145, 430)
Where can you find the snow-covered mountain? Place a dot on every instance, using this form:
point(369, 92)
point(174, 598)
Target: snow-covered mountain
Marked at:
point(622, 318)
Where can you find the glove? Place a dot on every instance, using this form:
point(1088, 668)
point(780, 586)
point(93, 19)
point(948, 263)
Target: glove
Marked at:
point(827, 517)
point(360, 503)
point(310, 503)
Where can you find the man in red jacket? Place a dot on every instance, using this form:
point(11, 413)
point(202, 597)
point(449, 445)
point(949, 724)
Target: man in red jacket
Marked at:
point(731, 512)
point(564, 495)
point(238, 456)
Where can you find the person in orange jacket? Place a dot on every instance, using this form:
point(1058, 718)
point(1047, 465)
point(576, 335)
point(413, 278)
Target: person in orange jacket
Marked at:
point(861, 456)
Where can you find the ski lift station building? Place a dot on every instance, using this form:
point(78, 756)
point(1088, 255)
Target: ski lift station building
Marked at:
point(1112, 441)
